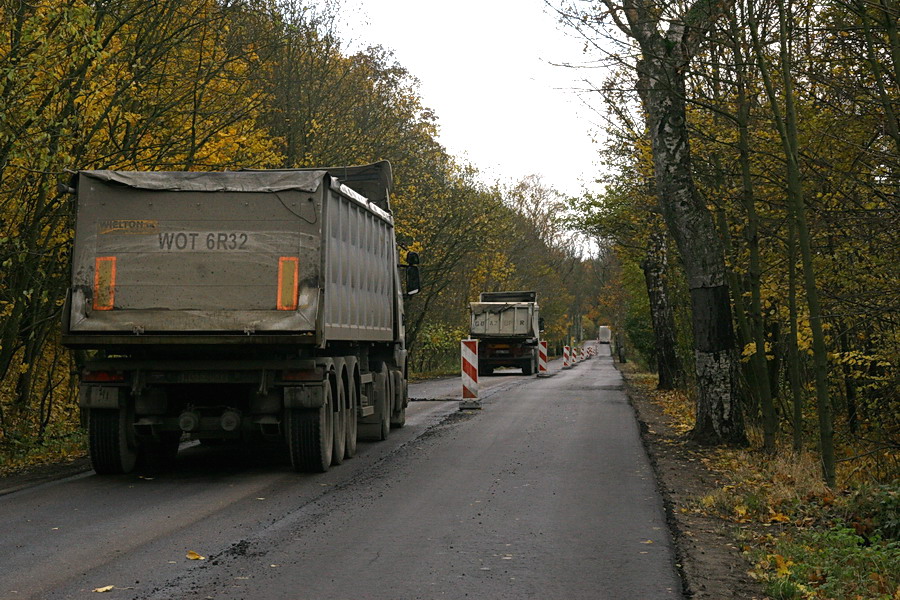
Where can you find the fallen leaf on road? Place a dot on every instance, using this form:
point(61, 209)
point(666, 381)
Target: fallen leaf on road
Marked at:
point(191, 555)
point(648, 542)
point(107, 588)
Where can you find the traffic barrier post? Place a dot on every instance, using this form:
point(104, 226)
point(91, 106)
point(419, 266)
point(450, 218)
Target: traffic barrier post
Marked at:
point(469, 361)
point(542, 358)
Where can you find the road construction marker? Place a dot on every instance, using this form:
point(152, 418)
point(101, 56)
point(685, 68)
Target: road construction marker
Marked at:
point(566, 363)
point(542, 358)
point(469, 356)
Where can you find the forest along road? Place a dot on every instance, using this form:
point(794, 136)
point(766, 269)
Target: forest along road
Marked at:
point(544, 493)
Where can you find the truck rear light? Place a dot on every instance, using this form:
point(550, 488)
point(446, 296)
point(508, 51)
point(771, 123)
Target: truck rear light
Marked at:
point(104, 282)
point(288, 283)
point(102, 376)
point(302, 375)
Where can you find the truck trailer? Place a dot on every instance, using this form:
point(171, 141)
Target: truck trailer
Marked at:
point(237, 306)
point(507, 326)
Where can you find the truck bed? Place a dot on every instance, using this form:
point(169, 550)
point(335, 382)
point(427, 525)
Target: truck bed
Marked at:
point(248, 253)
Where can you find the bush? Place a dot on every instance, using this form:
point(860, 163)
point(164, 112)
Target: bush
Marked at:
point(875, 509)
point(834, 564)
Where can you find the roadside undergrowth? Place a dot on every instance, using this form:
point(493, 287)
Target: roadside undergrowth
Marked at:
point(16, 457)
point(805, 540)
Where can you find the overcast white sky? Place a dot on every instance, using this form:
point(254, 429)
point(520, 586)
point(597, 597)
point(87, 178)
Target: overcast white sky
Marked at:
point(485, 69)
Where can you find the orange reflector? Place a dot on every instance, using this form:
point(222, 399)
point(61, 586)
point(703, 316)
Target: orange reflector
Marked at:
point(288, 282)
point(104, 282)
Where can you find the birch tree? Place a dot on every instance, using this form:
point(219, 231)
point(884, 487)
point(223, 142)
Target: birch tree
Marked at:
point(668, 38)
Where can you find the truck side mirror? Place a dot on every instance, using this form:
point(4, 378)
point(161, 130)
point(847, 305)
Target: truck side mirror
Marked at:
point(541, 323)
point(412, 279)
point(412, 258)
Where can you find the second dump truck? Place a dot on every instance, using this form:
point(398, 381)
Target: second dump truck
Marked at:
point(507, 326)
point(245, 305)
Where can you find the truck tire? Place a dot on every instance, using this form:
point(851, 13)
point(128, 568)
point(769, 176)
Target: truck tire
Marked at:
point(340, 423)
point(398, 416)
point(389, 400)
point(527, 367)
point(113, 448)
point(310, 436)
point(353, 403)
point(485, 370)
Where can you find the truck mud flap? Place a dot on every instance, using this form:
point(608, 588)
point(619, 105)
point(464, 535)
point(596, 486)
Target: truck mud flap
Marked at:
point(306, 396)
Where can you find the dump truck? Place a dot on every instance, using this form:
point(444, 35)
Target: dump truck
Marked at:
point(237, 306)
point(604, 334)
point(507, 326)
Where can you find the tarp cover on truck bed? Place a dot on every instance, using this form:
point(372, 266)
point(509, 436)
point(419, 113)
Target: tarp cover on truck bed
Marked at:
point(225, 181)
point(238, 251)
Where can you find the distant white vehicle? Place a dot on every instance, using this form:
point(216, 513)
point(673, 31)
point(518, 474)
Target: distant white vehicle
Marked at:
point(604, 334)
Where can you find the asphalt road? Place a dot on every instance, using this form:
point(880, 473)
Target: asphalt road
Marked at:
point(545, 492)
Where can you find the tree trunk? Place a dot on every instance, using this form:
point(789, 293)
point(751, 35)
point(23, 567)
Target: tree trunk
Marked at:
point(661, 86)
point(793, 360)
point(786, 124)
point(661, 314)
point(748, 199)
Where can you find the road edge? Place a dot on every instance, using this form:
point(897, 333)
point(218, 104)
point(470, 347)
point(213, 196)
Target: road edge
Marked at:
point(709, 564)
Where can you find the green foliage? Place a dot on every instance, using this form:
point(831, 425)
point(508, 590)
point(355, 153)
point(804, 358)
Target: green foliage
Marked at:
point(831, 564)
point(875, 510)
point(438, 350)
point(637, 323)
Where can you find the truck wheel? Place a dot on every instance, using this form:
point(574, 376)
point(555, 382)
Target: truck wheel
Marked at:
point(112, 445)
point(388, 407)
point(340, 424)
point(527, 368)
point(352, 427)
point(398, 416)
point(310, 435)
point(485, 370)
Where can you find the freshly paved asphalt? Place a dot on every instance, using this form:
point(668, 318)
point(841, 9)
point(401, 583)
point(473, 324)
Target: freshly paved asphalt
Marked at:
point(545, 492)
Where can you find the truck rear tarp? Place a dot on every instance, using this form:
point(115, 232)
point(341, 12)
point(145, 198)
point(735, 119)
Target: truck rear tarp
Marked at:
point(503, 319)
point(235, 251)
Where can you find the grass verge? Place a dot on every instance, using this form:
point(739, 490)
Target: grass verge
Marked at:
point(805, 540)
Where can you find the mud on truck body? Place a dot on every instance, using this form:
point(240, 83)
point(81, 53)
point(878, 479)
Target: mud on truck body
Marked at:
point(507, 326)
point(245, 305)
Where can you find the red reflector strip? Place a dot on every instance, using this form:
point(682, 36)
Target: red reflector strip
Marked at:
point(102, 376)
point(288, 282)
point(104, 282)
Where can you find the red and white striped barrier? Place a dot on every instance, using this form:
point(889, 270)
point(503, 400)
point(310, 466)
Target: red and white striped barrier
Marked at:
point(469, 354)
point(542, 358)
point(566, 355)
point(581, 353)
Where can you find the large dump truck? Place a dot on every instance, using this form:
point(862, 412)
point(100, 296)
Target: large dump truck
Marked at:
point(243, 305)
point(507, 326)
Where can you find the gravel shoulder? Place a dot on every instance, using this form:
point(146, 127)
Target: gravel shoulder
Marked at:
point(711, 565)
